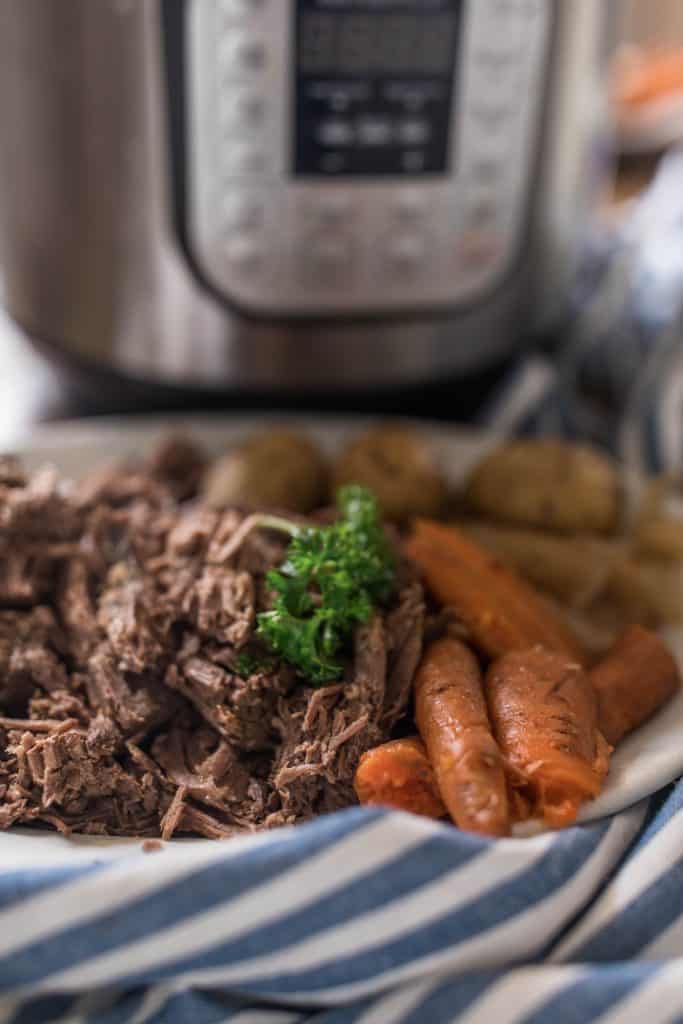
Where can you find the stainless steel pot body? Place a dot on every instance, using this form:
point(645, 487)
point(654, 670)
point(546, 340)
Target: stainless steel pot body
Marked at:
point(89, 247)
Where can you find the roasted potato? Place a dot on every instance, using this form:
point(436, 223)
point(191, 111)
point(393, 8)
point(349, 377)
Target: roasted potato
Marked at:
point(646, 592)
point(658, 530)
point(398, 466)
point(548, 484)
point(275, 469)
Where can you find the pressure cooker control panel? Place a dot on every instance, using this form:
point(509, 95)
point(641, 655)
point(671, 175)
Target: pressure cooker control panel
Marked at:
point(361, 156)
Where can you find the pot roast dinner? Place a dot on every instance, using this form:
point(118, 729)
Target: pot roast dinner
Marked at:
point(207, 647)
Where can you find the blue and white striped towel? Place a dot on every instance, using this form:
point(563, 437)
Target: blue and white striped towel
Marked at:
point(364, 916)
point(374, 917)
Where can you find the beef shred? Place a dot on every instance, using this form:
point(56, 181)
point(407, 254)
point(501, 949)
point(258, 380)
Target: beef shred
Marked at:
point(125, 707)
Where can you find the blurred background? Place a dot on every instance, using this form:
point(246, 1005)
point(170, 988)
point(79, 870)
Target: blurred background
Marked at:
point(204, 206)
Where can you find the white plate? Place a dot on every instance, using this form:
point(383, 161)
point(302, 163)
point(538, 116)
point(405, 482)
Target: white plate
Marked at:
point(646, 761)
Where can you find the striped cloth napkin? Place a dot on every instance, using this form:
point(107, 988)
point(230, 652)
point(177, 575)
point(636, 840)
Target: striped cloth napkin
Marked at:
point(373, 917)
point(364, 916)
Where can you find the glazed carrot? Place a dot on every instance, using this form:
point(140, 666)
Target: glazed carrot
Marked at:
point(635, 678)
point(451, 716)
point(545, 718)
point(501, 610)
point(398, 774)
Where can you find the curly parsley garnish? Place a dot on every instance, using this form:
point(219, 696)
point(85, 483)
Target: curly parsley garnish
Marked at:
point(331, 579)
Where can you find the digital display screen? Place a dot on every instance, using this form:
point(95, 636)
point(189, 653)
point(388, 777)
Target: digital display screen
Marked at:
point(376, 44)
point(374, 86)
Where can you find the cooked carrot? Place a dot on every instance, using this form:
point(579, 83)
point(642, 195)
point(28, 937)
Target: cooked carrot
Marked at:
point(501, 610)
point(398, 774)
point(545, 716)
point(635, 678)
point(451, 716)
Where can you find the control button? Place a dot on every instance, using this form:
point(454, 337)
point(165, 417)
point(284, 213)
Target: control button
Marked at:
point(477, 250)
point(498, 82)
point(243, 254)
point(335, 133)
point(406, 253)
point(328, 257)
point(486, 171)
point(483, 210)
point(414, 132)
point(243, 53)
point(242, 214)
point(240, 160)
point(331, 251)
point(329, 211)
point(374, 131)
point(498, 147)
point(240, 110)
point(491, 118)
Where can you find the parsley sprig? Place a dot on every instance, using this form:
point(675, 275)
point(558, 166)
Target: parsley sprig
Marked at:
point(331, 580)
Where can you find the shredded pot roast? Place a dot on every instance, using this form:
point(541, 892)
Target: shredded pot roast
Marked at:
point(126, 708)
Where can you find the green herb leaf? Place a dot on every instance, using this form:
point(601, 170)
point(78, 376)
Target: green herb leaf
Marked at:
point(332, 578)
point(247, 664)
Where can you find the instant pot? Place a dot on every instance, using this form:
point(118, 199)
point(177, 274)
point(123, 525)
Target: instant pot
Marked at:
point(296, 195)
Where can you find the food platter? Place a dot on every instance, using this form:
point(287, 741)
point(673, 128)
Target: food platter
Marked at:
point(650, 758)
